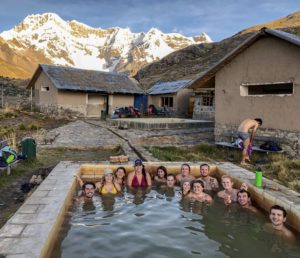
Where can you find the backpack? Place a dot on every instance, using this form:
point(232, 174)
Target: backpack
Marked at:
point(270, 146)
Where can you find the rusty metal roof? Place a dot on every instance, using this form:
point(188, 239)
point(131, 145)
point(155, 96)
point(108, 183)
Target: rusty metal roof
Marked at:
point(74, 79)
point(168, 87)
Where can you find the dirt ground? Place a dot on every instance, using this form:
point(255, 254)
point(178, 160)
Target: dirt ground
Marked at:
point(19, 124)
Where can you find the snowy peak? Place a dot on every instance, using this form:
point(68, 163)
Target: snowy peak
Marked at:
point(72, 43)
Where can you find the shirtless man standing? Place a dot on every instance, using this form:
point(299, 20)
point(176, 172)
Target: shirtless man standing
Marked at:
point(246, 132)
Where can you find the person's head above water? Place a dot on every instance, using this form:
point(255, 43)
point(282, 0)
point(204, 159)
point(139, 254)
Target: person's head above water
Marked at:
point(204, 170)
point(277, 215)
point(89, 189)
point(185, 169)
point(138, 162)
point(171, 180)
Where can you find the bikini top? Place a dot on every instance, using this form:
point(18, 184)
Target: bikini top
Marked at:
point(113, 190)
point(135, 181)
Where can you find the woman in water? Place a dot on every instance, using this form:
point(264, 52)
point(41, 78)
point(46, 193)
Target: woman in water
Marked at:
point(185, 188)
point(139, 177)
point(108, 184)
point(229, 194)
point(185, 173)
point(161, 175)
point(197, 193)
point(120, 176)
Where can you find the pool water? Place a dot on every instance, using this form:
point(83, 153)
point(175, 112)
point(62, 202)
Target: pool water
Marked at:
point(158, 224)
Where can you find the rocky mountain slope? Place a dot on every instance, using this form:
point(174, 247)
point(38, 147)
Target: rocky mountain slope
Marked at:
point(49, 39)
point(192, 61)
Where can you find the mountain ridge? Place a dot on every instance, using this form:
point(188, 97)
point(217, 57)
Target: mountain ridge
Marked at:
point(190, 62)
point(47, 38)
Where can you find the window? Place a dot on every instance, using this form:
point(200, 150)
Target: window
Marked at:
point(208, 99)
point(276, 88)
point(167, 101)
point(45, 88)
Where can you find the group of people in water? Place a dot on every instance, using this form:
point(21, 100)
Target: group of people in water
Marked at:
point(193, 189)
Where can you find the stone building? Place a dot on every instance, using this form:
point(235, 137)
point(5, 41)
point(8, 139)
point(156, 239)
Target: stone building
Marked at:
point(87, 92)
point(259, 78)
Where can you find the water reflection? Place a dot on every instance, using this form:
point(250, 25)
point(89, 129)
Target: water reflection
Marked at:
point(139, 194)
point(149, 226)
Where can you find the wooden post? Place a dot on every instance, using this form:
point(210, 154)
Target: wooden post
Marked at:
point(2, 97)
point(31, 106)
point(8, 170)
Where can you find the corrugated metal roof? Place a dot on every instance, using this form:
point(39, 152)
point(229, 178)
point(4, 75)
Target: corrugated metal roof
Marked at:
point(74, 79)
point(168, 87)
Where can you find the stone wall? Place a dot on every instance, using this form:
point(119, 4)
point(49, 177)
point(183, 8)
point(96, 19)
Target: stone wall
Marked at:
point(62, 110)
point(289, 141)
point(203, 112)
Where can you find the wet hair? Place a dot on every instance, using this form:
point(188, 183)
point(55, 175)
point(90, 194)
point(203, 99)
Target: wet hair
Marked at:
point(88, 183)
point(226, 176)
point(122, 168)
point(163, 169)
point(258, 120)
point(243, 191)
point(187, 165)
point(277, 207)
point(197, 182)
point(182, 183)
point(172, 176)
point(204, 165)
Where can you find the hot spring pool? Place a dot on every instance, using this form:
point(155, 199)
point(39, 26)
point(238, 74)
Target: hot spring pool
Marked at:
point(157, 224)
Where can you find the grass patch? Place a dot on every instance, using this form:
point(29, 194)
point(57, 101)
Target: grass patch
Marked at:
point(277, 167)
point(48, 158)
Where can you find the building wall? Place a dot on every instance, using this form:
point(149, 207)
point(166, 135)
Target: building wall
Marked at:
point(267, 60)
point(117, 101)
point(44, 98)
point(182, 103)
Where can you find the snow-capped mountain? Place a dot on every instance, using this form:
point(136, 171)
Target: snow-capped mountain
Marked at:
point(49, 39)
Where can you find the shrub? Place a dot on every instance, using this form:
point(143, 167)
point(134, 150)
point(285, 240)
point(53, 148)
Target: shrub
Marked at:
point(22, 127)
point(34, 127)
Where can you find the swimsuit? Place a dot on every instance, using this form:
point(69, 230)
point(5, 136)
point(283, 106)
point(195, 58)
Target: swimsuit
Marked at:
point(243, 135)
point(104, 190)
point(135, 181)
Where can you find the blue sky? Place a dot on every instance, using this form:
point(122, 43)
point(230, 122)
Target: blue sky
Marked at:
point(218, 18)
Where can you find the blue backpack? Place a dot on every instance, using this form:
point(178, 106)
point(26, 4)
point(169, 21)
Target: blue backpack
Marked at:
point(270, 146)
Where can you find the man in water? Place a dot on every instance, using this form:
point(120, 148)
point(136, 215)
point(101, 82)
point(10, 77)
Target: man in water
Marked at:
point(88, 191)
point(278, 217)
point(246, 132)
point(210, 183)
point(171, 181)
point(243, 199)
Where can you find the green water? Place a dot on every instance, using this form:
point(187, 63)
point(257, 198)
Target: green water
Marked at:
point(151, 224)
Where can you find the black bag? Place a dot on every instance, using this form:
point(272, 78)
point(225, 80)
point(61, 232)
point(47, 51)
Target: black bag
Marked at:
point(270, 146)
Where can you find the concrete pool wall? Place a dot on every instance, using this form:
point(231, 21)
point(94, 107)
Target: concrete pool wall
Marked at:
point(33, 229)
point(159, 123)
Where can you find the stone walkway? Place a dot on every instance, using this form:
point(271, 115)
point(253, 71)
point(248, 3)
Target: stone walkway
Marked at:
point(96, 133)
point(80, 134)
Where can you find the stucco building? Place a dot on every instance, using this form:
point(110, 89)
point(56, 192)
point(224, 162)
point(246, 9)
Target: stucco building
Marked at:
point(174, 95)
point(87, 92)
point(260, 78)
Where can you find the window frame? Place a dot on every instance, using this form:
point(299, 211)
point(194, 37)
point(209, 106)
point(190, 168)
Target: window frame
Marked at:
point(244, 89)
